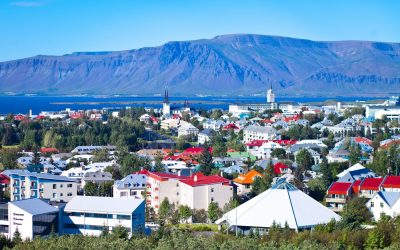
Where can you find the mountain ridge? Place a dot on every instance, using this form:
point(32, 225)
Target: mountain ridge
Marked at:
point(244, 64)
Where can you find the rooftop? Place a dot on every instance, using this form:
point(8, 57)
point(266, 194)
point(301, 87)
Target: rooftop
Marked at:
point(339, 188)
point(199, 179)
point(103, 204)
point(34, 206)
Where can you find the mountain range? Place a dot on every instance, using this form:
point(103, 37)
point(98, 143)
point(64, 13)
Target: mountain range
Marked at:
point(241, 64)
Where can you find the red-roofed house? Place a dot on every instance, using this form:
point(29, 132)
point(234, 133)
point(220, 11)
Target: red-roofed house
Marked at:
point(198, 191)
point(280, 168)
point(231, 126)
point(370, 186)
point(338, 194)
point(363, 140)
point(49, 150)
point(195, 151)
point(391, 184)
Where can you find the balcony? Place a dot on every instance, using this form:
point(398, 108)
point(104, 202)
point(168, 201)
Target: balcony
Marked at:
point(336, 209)
point(336, 200)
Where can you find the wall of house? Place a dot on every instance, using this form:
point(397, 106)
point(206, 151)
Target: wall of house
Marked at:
point(21, 221)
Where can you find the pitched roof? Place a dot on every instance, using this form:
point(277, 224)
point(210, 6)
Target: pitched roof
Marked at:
point(371, 184)
point(34, 206)
point(389, 197)
point(340, 188)
point(199, 179)
point(391, 182)
point(103, 204)
point(247, 178)
point(355, 167)
point(278, 167)
point(4, 179)
point(283, 203)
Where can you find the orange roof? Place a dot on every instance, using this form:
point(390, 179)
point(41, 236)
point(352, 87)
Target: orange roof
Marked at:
point(247, 178)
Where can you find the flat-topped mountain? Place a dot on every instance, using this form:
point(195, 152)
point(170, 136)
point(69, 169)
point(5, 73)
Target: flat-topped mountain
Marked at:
point(225, 65)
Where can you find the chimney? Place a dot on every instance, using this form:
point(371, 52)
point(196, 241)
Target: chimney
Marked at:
point(195, 177)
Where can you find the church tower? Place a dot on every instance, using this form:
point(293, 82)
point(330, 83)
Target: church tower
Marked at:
point(270, 95)
point(166, 105)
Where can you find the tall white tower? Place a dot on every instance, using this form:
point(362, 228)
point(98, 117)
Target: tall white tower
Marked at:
point(166, 105)
point(270, 95)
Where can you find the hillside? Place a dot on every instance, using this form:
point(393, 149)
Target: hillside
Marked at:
point(229, 64)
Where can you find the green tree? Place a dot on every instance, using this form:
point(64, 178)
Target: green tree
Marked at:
point(354, 154)
point(375, 240)
point(91, 189)
point(199, 216)
point(214, 212)
point(8, 158)
point(206, 161)
point(101, 155)
point(184, 213)
point(279, 153)
point(120, 232)
point(304, 161)
point(164, 211)
point(158, 166)
point(355, 213)
point(17, 239)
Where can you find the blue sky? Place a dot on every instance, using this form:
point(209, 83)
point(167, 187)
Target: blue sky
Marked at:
point(56, 27)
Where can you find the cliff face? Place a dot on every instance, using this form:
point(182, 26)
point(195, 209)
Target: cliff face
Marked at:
point(231, 65)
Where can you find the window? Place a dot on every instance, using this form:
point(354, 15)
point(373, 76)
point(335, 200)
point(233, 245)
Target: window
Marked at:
point(212, 190)
point(372, 204)
point(54, 195)
point(54, 186)
point(69, 185)
point(381, 204)
point(61, 194)
point(212, 199)
point(61, 185)
point(69, 194)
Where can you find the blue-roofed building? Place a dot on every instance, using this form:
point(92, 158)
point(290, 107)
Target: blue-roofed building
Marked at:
point(386, 203)
point(133, 185)
point(32, 217)
point(234, 169)
point(356, 172)
point(26, 185)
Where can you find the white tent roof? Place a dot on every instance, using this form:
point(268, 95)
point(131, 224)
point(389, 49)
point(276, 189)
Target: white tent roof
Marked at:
point(281, 204)
point(355, 167)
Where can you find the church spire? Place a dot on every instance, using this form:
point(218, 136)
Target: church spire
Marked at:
point(166, 97)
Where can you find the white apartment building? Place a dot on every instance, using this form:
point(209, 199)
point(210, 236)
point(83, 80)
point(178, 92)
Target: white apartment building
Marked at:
point(187, 129)
point(26, 185)
point(90, 215)
point(161, 186)
point(254, 132)
point(199, 191)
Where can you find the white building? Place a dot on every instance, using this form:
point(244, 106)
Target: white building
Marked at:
point(161, 186)
point(384, 203)
point(90, 215)
point(270, 95)
point(31, 218)
point(254, 132)
point(199, 191)
point(281, 204)
point(133, 185)
point(187, 129)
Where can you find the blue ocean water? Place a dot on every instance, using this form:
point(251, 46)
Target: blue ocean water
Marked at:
point(22, 104)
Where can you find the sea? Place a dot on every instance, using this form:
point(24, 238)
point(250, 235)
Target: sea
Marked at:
point(21, 104)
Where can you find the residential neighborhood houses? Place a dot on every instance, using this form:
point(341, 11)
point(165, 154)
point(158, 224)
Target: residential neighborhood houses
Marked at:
point(247, 170)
